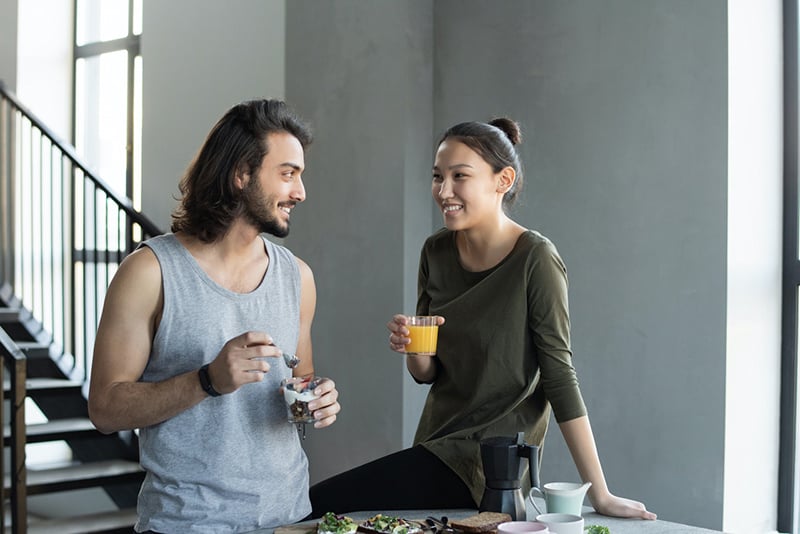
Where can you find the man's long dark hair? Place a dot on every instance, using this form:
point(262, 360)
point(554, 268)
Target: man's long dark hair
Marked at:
point(237, 143)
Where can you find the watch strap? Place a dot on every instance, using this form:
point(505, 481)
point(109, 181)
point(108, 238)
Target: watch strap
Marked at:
point(205, 382)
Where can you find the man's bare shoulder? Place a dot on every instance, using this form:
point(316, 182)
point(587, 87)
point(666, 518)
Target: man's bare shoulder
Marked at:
point(308, 286)
point(305, 270)
point(141, 268)
point(135, 295)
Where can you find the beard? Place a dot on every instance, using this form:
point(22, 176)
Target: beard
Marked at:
point(259, 210)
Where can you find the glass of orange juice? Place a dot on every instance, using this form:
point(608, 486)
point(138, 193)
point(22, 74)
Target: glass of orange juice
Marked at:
point(424, 333)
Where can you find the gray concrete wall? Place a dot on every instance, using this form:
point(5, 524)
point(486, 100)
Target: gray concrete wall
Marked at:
point(361, 72)
point(623, 104)
point(200, 58)
point(8, 43)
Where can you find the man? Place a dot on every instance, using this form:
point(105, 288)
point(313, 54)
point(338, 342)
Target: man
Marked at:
point(193, 328)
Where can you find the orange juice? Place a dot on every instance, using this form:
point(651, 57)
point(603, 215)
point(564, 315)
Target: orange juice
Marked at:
point(423, 339)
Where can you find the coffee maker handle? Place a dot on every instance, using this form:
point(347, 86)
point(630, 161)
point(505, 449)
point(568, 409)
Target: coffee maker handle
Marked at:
point(531, 452)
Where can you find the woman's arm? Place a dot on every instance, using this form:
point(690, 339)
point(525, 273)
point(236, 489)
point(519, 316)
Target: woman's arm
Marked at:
point(580, 441)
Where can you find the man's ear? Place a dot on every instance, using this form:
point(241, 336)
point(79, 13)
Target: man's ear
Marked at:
point(240, 178)
point(505, 179)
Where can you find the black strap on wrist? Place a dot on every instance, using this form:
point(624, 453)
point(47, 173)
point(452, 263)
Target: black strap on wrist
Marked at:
point(205, 382)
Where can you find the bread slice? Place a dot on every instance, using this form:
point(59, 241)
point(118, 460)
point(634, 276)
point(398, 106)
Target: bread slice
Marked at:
point(482, 522)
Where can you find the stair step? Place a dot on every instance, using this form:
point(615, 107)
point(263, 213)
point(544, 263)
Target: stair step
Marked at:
point(99, 522)
point(56, 429)
point(34, 349)
point(46, 386)
point(86, 475)
point(18, 324)
point(10, 315)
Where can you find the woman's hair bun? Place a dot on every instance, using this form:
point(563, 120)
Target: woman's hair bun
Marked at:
point(509, 127)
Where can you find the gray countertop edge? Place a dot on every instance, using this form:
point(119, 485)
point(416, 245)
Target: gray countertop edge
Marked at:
point(615, 525)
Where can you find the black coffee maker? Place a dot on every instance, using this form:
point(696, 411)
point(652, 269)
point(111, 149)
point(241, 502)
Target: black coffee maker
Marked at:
point(503, 469)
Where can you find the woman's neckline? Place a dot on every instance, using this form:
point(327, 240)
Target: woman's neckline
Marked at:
point(491, 268)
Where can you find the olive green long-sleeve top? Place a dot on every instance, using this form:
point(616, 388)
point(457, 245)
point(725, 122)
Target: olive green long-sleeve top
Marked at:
point(503, 355)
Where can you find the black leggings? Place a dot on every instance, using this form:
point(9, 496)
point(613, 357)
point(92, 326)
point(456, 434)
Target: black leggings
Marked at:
point(412, 479)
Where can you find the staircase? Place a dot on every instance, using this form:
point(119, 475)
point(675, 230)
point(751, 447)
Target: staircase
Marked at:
point(63, 232)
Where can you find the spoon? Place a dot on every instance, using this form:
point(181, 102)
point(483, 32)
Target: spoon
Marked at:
point(290, 360)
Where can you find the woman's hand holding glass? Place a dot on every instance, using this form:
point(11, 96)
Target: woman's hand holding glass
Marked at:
point(421, 367)
point(400, 331)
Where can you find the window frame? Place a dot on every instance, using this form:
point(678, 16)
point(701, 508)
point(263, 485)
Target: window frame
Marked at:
point(788, 479)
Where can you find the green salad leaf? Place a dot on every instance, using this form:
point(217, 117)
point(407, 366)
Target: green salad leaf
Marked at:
point(596, 529)
point(338, 524)
point(390, 525)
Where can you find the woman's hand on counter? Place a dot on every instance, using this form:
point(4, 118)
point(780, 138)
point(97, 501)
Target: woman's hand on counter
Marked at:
point(614, 506)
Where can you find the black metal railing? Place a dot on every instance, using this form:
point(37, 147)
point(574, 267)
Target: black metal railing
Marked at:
point(63, 232)
point(13, 358)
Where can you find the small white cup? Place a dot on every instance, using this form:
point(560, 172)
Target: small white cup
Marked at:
point(522, 527)
point(562, 523)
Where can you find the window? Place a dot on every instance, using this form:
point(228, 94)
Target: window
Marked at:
point(107, 137)
point(108, 81)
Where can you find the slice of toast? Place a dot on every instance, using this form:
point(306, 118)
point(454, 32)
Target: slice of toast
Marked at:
point(482, 522)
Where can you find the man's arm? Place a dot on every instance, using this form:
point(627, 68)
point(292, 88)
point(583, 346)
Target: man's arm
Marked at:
point(326, 406)
point(117, 400)
point(308, 305)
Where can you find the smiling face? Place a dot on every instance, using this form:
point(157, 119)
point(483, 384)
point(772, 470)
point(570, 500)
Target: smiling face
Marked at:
point(465, 187)
point(270, 195)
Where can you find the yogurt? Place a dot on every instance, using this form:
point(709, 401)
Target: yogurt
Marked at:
point(290, 396)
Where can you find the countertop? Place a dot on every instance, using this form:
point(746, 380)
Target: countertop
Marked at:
point(615, 525)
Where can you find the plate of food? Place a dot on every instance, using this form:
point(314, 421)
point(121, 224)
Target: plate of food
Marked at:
point(331, 523)
point(388, 524)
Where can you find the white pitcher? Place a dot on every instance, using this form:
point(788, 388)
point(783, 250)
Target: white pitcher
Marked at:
point(560, 497)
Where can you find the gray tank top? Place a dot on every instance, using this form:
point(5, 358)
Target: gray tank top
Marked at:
point(231, 463)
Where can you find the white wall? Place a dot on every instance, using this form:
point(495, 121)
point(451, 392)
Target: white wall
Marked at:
point(199, 59)
point(44, 73)
point(753, 363)
point(8, 43)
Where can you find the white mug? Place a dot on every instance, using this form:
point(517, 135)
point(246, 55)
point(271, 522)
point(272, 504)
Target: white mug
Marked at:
point(562, 523)
point(522, 527)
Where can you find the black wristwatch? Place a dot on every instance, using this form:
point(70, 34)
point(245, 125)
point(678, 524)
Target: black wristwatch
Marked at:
point(205, 382)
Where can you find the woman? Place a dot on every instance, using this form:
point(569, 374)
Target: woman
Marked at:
point(504, 353)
